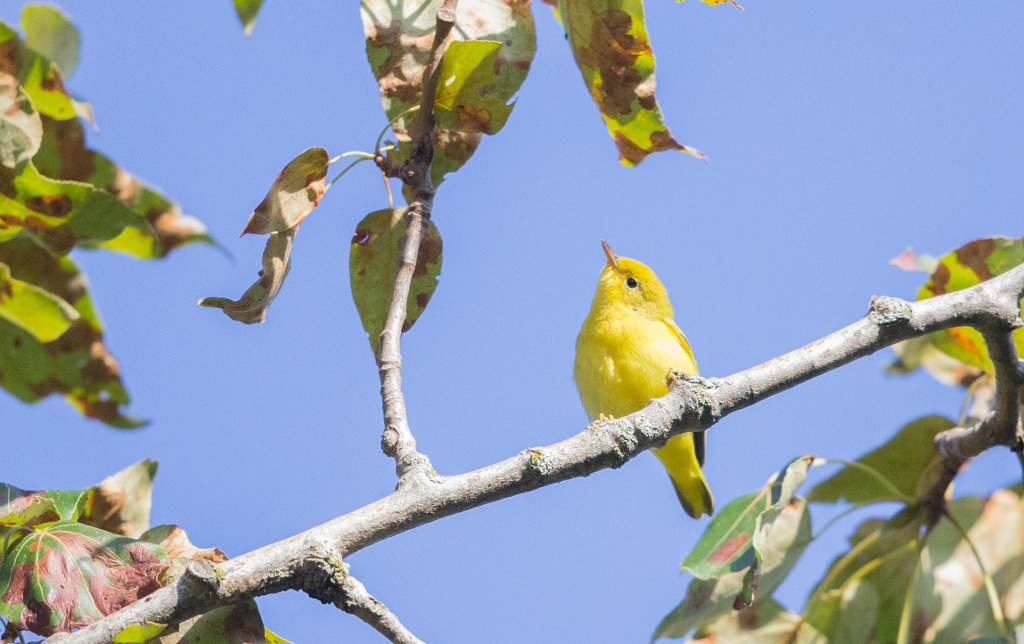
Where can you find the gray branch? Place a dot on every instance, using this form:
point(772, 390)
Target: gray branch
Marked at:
point(397, 440)
point(692, 404)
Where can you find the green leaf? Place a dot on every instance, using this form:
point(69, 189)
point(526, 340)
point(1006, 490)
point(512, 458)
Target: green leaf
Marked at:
point(21, 131)
point(294, 194)
point(728, 543)
point(33, 309)
point(966, 266)
point(766, 622)
point(708, 599)
point(467, 88)
point(609, 41)
point(252, 306)
point(247, 10)
point(121, 502)
point(399, 35)
point(63, 155)
point(373, 263)
point(40, 78)
point(902, 460)
point(67, 575)
point(49, 32)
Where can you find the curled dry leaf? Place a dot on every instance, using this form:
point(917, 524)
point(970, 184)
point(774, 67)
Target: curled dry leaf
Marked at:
point(252, 306)
point(294, 194)
point(373, 264)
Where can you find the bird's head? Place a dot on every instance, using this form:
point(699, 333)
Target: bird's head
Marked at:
point(629, 284)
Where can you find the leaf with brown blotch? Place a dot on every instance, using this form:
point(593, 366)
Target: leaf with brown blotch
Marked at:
point(609, 40)
point(399, 36)
point(40, 78)
point(971, 264)
point(67, 575)
point(466, 88)
point(76, 364)
point(294, 194)
point(252, 306)
point(120, 503)
point(373, 264)
point(175, 542)
point(64, 156)
point(21, 130)
point(24, 508)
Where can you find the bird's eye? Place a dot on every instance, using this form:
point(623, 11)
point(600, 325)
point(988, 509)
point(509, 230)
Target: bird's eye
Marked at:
point(631, 283)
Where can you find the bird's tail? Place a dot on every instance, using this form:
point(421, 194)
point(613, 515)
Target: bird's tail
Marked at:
point(680, 460)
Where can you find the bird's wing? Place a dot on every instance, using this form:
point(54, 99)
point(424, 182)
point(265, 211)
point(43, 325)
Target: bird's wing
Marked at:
point(698, 437)
point(678, 334)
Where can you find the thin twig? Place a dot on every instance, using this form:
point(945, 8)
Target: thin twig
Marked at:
point(357, 601)
point(397, 440)
point(692, 404)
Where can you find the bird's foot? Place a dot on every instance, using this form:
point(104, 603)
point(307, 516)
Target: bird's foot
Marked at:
point(600, 419)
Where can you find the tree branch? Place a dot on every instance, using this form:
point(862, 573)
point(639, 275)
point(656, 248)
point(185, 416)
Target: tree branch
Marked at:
point(397, 440)
point(692, 404)
point(359, 602)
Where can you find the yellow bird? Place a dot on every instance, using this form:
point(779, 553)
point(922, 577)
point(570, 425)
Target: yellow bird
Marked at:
point(628, 345)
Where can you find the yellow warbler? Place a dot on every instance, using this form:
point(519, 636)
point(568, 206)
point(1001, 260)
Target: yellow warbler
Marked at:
point(626, 348)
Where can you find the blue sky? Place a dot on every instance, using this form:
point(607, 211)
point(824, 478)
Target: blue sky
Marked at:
point(837, 133)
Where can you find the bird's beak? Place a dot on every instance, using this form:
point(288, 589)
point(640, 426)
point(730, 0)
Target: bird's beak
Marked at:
point(613, 259)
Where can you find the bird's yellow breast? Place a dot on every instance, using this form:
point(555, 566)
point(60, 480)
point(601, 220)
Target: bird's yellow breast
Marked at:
point(622, 361)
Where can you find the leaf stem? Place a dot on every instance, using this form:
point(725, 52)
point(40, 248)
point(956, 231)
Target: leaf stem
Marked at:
point(380, 137)
point(990, 585)
point(850, 510)
point(365, 157)
point(903, 635)
point(867, 469)
point(353, 153)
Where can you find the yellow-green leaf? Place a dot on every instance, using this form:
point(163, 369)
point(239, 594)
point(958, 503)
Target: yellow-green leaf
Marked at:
point(373, 263)
point(247, 10)
point(41, 79)
point(467, 88)
point(42, 314)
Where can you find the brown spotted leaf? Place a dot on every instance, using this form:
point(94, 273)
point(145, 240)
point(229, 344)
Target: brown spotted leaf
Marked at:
point(24, 508)
point(21, 131)
point(373, 264)
point(39, 77)
point(294, 194)
point(121, 502)
point(49, 32)
point(398, 40)
point(609, 40)
point(467, 95)
point(252, 306)
point(67, 575)
point(76, 364)
point(64, 156)
point(765, 622)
